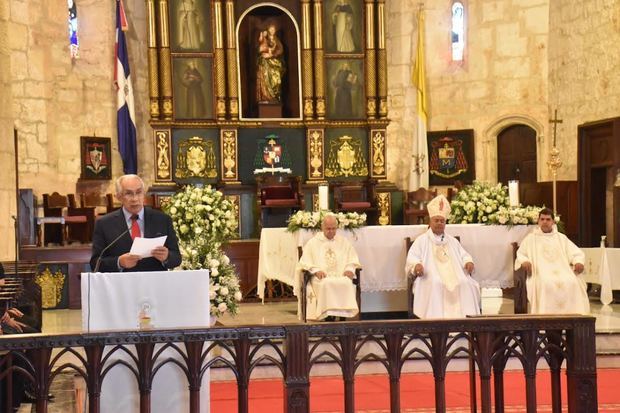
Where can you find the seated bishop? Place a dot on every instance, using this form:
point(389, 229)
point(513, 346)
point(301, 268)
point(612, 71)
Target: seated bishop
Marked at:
point(553, 286)
point(443, 287)
point(332, 261)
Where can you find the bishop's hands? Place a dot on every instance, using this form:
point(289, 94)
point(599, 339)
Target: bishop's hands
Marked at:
point(578, 268)
point(469, 267)
point(418, 270)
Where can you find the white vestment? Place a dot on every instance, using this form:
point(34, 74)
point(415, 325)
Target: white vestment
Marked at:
point(444, 290)
point(553, 287)
point(333, 295)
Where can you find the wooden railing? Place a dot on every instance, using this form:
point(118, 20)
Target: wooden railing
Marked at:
point(488, 342)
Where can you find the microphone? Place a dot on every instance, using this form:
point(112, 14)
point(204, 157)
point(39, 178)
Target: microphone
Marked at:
point(98, 263)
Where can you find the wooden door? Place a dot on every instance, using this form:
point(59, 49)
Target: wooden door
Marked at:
point(516, 154)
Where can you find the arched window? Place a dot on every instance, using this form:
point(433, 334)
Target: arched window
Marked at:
point(458, 31)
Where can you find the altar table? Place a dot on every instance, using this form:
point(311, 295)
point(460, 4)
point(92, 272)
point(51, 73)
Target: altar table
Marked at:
point(608, 276)
point(381, 250)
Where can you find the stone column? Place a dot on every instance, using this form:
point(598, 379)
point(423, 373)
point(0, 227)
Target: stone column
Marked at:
point(152, 59)
point(165, 65)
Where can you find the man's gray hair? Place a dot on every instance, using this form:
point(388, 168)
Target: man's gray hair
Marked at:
point(119, 182)
point(331, 215)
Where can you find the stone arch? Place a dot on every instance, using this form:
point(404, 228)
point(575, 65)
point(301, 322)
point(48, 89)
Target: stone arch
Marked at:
point(490, 141)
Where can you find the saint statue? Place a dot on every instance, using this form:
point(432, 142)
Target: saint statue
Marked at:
point(270, 67)
point(190, 32)
point(342, 21)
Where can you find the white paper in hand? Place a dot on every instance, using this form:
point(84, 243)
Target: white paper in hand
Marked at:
point(144, 246)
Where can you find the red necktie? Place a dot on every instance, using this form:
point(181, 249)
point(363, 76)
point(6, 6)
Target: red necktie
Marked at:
point(135, 228)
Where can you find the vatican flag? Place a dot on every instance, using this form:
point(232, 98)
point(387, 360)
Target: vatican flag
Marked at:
point(418, 174)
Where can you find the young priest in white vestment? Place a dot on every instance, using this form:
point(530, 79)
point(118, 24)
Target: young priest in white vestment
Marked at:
point(332, 261)
point(443, 287)
point(553, 287)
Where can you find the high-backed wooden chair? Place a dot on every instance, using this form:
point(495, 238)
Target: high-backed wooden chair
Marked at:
point(307, 275)
point(520, 287)
point(411, 279)
point(278, 194)
point(414, 211)
point(94, 200)
point(111, 204)
point(76, 224)
point(351, 196)
point(454, 190)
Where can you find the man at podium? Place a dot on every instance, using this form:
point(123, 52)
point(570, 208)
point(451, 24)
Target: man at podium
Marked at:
point(114, 233)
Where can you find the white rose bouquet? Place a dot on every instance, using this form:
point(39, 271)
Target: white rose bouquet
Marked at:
point(313, 220)
point(205, 221)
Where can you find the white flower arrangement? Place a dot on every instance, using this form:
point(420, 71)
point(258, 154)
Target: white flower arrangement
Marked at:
point(205, 221)
point(313, 220)
point(485, 203)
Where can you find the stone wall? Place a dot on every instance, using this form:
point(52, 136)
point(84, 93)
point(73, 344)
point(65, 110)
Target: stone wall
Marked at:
point(584, 69)
point(503, 79)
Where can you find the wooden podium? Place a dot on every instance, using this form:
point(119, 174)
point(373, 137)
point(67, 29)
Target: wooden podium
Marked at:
point(154, 300)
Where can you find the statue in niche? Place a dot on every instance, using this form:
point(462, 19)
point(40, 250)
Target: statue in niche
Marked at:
point(270, 67)
point(190, 25)
point(344, 82)
point(342, 21)
point(194, 97)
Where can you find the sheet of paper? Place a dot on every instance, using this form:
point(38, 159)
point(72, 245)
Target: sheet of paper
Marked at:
point(144, 246)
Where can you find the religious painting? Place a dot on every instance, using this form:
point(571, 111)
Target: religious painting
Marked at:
point(345, 92)
point(451, 157)
point(193, 88)
point(96, 157)
point(269, 64)
point(343, 26)
point(190, 26)
point(346, 153)
point(195, 156)
point(280, 151)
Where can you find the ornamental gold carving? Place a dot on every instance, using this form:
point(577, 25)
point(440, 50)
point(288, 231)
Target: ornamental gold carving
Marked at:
point(346, 158)
point(51, 287)
point(378, 153)
point(384, 204)
point(229, 154)
point(196, 159)
point(235, 201)
point(162, 151)
point(315, 154)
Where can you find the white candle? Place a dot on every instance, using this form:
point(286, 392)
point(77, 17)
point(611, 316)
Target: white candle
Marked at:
point(513, 193)
point(323, 197)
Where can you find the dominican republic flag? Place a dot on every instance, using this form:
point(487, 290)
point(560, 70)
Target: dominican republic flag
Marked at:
point(125, 116)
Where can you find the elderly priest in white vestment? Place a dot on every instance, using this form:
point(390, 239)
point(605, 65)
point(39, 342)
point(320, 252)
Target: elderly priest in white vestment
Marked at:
point(553, 286)
point(332, 261)
point(443, 287)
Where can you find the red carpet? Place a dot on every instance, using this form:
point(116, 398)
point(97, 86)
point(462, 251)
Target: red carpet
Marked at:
point(417, 393)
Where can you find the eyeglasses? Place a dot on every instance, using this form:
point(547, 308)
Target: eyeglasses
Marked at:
point(131, 194)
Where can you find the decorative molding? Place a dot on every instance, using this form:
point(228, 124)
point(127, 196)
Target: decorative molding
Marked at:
point(378, 153)
point(316, 154)
point(235, 200)
point(163, 155)
point(153, 64)
point(384, 204)
point(165, 64)
point(229, 155)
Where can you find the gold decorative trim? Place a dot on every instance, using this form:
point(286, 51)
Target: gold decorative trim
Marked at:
point(346, 158)
point(371, 85)
point(377, 153)
point(220, 84)
point(196, 159)
point(316, 154)
point(217, 23)
point(318, 64)
point(165, 65)
point(229, 155)
point(315, 202)
point(164, 25)
point(381, 24)
point(51, 287)
point(306, 61)
point(163, 154)
point(153, 83)
point(235, 200)
point(370, 24)
point(384, 205)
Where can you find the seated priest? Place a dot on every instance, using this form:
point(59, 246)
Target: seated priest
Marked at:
point(553, 287)
point(443, 287)
point(332, 261)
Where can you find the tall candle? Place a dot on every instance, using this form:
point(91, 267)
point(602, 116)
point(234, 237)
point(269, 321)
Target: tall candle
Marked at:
point(513, 193)
point(323, 197)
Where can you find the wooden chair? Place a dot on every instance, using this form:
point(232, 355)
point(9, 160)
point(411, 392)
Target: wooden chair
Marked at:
point(520, 286)
point(307, 275)
point(76, 224)
point(277, 193)
point(411, 279)
point(454, 190)
point(94, 200)
point(111, 204)
point(357, 197)
point(414, 211)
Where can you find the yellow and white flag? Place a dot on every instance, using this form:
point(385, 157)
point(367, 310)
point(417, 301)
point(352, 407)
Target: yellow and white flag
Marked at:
point(418, 175)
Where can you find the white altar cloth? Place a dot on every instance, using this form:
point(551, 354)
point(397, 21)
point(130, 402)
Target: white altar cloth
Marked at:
point(381, 250)
point(594, 274)
point(177, 299)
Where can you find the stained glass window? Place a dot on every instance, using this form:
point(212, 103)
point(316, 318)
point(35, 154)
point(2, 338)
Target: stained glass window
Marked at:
point(458, 31)
point(73, 30)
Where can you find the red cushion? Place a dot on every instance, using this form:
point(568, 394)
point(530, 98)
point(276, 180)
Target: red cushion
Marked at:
point(282, 192)
point(354, 205)
point(75, 219)
point(281, 202)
